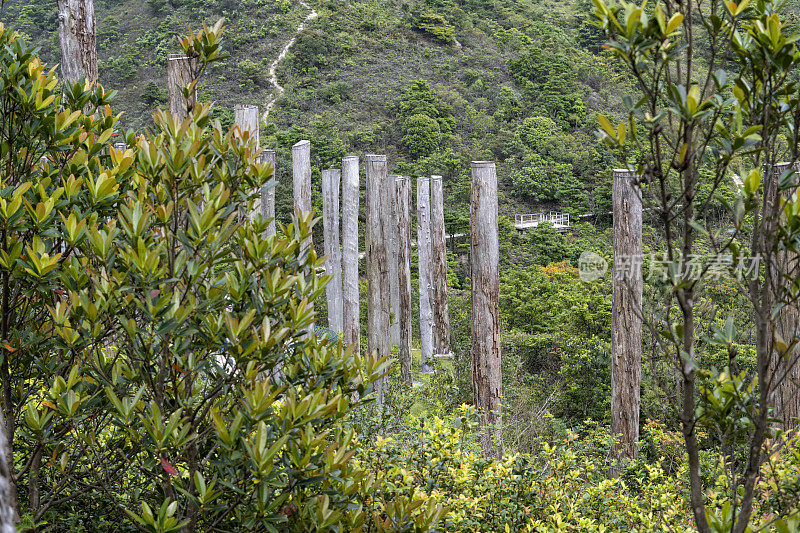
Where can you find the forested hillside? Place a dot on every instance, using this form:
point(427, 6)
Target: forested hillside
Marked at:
point(434, 84)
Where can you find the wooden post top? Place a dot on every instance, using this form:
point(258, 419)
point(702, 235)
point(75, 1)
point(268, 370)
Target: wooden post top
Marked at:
point(375, 157)
point(301, 144)
point(482, 164)
point(350, 158)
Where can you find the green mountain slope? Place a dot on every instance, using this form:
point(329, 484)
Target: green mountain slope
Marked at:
point(434, 84)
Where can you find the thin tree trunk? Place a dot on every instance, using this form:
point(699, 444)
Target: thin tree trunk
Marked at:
point(403, 205)
point(333, 263)
point(351, 304)
point(78, 34)
point(268, 193)
point(424, 268)
point(626, 318)
point(180, 73)
point(394, 280)
point(378, 299)
point(441, 318)
point(487, 383)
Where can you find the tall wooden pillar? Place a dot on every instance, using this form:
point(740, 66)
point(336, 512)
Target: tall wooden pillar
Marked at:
point(487, 384)
point(351, 304)
point(268, 193)
point(301, 180)
point(784, 267)
point(247, 118)
point(333, 263)
point(425, 285)
point(626, 316)
point(180, 73)
point(301, 183)
point(441, 317)
point(394, 281)
point(77, 31)
point(403, 205)
point(378, 298)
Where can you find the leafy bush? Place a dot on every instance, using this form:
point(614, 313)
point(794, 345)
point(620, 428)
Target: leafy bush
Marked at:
point(434, 26)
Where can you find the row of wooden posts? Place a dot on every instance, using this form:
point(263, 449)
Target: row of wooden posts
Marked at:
point(388, 260)
point(388, 268)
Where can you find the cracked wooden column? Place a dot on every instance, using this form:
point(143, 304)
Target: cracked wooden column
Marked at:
point(783, 267)
point(301, 180)
point(351, 311)
point(77, 31)
point(247, 118)
point(301, 183)
point(441, 317)
point(268, 193)
point(626, 317)
point(378, 298)
point(333, 263)
point(180, 73)
point(487, 385)
point(424, 269)
point(394, 281)
point(402, 201)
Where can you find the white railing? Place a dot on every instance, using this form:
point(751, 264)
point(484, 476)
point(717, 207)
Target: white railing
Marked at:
point(532, 219)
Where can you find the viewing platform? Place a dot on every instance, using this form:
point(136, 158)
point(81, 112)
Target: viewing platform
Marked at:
point(559, 221)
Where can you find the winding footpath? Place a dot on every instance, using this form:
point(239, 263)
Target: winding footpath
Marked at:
point(273, 78)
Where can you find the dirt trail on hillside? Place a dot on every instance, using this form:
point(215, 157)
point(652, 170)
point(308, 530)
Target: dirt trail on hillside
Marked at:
point(273, 78)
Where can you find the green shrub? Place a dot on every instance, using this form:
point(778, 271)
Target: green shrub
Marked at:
point(434, 26)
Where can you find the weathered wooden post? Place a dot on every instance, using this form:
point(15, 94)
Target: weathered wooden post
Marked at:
point(351, 304)
point(394, 281)
point(301, 174)
point(487, 383)
point(425, 286)
point(7, 490)
point(247, 118)
point(268, 193)
point(78, 34)
point(783, 268)
point(301, 169)
point(378, 299)
point(626, 316)
point(333, 263)
point(441, 316)
point(180, 73)
point(301, 183)
point(403, 205)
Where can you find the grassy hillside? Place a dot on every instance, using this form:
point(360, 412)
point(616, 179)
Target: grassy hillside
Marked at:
point(518, 82)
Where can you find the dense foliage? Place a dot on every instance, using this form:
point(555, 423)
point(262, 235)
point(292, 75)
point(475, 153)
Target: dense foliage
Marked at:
point(159, 370)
